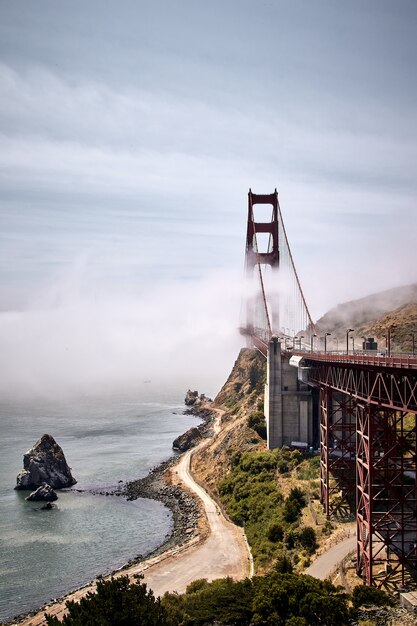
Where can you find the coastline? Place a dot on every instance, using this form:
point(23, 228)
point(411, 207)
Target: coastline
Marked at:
point(159, 484)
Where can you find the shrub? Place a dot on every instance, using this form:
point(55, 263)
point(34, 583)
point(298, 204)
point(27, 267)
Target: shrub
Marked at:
point(116, 602)
point(255, 375)
point(256, 421)
point(306, 538)
point(297, 495)
point(275, 532)
point(369, 596)
point(283, 565)
point(291, 511)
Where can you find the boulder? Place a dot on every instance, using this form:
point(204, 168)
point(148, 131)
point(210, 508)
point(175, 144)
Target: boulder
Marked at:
point(193, 399)
point(45, 463)
point(44, 492)
point(187, 440)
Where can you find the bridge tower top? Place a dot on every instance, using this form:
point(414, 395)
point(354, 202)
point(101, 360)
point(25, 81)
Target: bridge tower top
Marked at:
point(253, 256)
point(275, 303)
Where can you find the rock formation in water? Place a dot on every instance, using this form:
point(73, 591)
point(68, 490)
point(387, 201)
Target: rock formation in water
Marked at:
point(44, 492)
point(45, 463)
point(193, 399)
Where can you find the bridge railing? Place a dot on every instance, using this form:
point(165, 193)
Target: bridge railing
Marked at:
point(397, 360)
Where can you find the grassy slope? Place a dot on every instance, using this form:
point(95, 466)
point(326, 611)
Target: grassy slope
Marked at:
point(253, 484)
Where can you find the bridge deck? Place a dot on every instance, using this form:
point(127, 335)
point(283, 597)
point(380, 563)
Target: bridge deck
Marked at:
point(401, 361)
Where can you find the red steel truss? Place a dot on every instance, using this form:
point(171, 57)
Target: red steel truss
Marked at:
point(386, 494)
point(337, 452)
point(387, 387)
point(377, 406)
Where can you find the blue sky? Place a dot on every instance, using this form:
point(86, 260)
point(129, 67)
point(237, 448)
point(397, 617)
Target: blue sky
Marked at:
point(130, 133)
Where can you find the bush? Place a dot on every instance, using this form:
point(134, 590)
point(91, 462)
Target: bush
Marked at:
point(256, 421)
point(116, 602)
point(256, 375)
point(223, 600)
point(291, 511)
point(369, 596)
point(306, 538)
point(283, 565)
point(297, 495)
point(275, 532)
point(279, 598)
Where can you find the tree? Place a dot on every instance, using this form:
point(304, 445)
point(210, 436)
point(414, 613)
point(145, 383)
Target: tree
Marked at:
point(116, 602)
point(306, 537)
point(369, 596)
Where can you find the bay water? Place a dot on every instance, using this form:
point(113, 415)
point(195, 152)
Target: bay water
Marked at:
point(106, 439)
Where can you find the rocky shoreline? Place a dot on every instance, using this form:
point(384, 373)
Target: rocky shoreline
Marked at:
point(184, 506)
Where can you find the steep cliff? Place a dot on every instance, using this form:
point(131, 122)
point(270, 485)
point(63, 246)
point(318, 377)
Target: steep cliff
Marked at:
point(240, 396)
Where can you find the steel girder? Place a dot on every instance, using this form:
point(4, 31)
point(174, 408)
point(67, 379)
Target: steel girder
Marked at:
point(386, 496)
point(383, 407)
point(337, 452)
point(384, 387)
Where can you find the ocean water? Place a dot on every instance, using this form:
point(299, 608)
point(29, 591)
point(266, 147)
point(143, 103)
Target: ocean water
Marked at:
point(106, 439)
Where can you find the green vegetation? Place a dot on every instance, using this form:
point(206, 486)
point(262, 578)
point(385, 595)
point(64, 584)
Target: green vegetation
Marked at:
point(257, 376)
point(117, 602)
point(256, 421)
point(282, 599)
point(310, 469)
point(252, 498)
point(370, 596)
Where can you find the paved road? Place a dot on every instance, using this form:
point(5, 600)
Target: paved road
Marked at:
point(325, 564)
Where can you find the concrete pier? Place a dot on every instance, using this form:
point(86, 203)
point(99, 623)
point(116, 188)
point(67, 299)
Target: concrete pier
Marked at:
point(288, 402)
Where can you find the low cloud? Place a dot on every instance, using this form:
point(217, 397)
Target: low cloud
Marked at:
point(74, 339)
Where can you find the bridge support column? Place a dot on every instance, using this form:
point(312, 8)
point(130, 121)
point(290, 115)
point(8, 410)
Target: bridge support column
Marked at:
point(288, 402)
point(273, 395)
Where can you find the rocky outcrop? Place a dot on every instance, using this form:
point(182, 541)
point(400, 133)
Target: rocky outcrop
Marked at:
point(193, 399)
point(188, 440)
point(44, 493)
point(45, 463)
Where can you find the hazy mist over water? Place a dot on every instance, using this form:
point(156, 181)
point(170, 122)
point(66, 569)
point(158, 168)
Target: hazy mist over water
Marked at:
point(76, 338)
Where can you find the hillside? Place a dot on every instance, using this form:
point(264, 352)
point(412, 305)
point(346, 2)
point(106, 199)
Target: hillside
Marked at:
point(273, 494)
point(238, 397)
point(372, 316)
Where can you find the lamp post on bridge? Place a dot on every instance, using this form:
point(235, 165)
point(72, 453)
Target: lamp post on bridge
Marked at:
point(312, 342)
point(386, 344)
point(349, 330)
point(325, 341)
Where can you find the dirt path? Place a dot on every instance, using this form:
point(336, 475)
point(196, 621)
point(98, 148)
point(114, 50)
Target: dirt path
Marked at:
point(223, 553)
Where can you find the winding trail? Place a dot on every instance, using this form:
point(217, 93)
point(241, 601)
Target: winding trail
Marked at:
point(224, 552)
point(327, 562)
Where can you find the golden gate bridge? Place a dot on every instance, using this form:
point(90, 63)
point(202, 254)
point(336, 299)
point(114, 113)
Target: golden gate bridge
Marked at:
point(358, 406)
